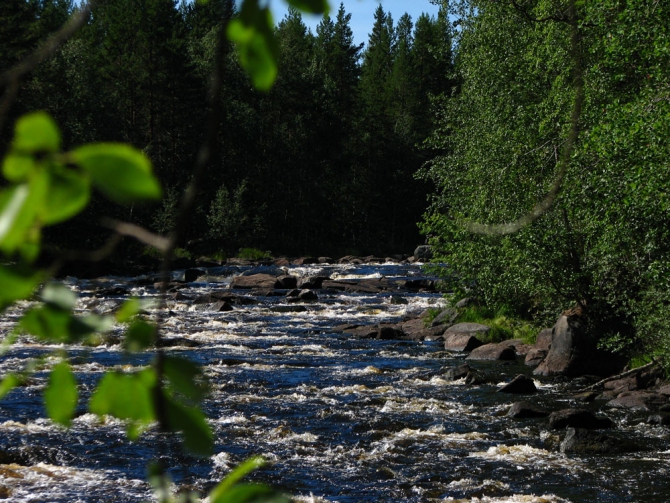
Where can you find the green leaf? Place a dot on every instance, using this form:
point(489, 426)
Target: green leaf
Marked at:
point(247, 493)
point(126, 396)
point(311, 6)
point(10, 382)
point(240, 471)
point(68, 195)
point(19, 207)
point(59, 296)
point(127, 310)
point(185, 377)
point(52, 324)
point(140, 336)
point(253, 32)
point(198, 436)
point(119, 171)
point(18, 167)
point(17, 283)
point(36, 132)
point(60, 396)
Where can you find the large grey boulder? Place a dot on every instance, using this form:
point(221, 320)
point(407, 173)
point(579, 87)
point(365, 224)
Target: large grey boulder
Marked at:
point(578, 418)
point(589, 442)
point(463, 336)
point(255, 281)
point(423, 253)
point(501, 351)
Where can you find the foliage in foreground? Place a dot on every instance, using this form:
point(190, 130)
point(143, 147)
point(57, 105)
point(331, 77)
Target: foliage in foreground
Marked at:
point(605, 243)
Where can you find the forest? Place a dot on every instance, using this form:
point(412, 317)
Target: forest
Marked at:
point(323, 163)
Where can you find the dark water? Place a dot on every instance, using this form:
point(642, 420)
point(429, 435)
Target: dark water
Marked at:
point(340, 419)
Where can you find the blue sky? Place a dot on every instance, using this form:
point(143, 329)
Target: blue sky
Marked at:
point(362, 13)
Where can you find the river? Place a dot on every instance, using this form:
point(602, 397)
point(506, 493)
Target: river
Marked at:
point(340, 419)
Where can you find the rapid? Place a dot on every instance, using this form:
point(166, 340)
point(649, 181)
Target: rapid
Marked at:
point(340, 419)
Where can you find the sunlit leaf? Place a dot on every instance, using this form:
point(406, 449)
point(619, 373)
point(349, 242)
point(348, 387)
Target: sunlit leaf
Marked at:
point(311, 6)
point(17, 283)
point(140, 336)
point(9, 382)
point(127, 310)
point(240, 471)
point(36, 132)
point(253, 32)
point(59, 295)
point(52, 324)
point(119, 171)
point(68, 195)
point(246, 493)
point(185, 377)
point(60, 396)
point(126, 396)
point(18, 167)
point(191, 422)
point(19, 207)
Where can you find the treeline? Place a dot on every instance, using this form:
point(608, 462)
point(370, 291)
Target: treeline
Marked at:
point(324, 163)
point(604, 246)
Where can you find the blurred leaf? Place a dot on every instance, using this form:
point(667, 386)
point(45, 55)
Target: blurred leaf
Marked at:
point(36, 132)
point(240, 471)
point(127, 310)
point(55, 325)
point(17, 283)
point(59, 295)
point(60, 396)
point(311, 6)
point(253, 32)
point(198, 437)
point(9, 382)
point(19, 207)
point(119, 171)
point(68, 194)
point(139, 336)
point(18, 167)
point(247, 493)
point(185, 377)
point(126, 396)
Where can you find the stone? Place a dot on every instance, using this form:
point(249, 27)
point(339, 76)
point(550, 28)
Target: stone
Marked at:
point(293, 293)
point(287, 282)
point(500, 351)
point(525, 410)
point(306, 261)
point(460, 342)
point(415, 330)
point(535, 356)
point(423, 253)
point(326, 260)
point(544, 338)
point(398, 300)
point(255, 281)
point(662, 419)
point(578, 418)
point(363, 332)
point(573, 353)
point(190, 275)
point(171, 342)
point(312, 282)
point(446, 317)
point(520, 384)
point(474, 329)
point(389, 332)
point(222, 306)
point(455, 373)
point(463, 303)
point(588, 442)
point(639, 400)
point(308, 295)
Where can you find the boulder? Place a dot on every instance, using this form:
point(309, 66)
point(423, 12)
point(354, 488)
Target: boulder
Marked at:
point(499, 351)
point(578, 418)
point(460, 342)
point(544, 338)
point(389, 332)
point(415, 330)
point(190, 275)
point(307, 295)
point(222, 306)
point(255, 281)
point(326, 260)
point(573, 353)
point(463, 303)
point(446, 317)
point(306, 261)
point(520, 384)
point(639, 400)
point(521, 348)
point(455, 373)
point(287, 282)
point(525, 410)
point(535, 356)
point(423, 253)
point(662, 419)
point(588, 442)
point(473, 329)
point(312, 282)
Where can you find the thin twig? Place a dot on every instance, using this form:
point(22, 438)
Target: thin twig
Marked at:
point(140, 233)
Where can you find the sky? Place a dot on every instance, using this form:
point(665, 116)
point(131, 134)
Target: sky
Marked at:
point(362, 13)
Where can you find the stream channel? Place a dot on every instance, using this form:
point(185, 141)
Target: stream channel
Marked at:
point(340, 419)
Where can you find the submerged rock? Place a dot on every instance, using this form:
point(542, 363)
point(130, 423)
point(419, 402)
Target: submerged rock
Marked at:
point(640, 400)
point(524, 410)
point(455, 373)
